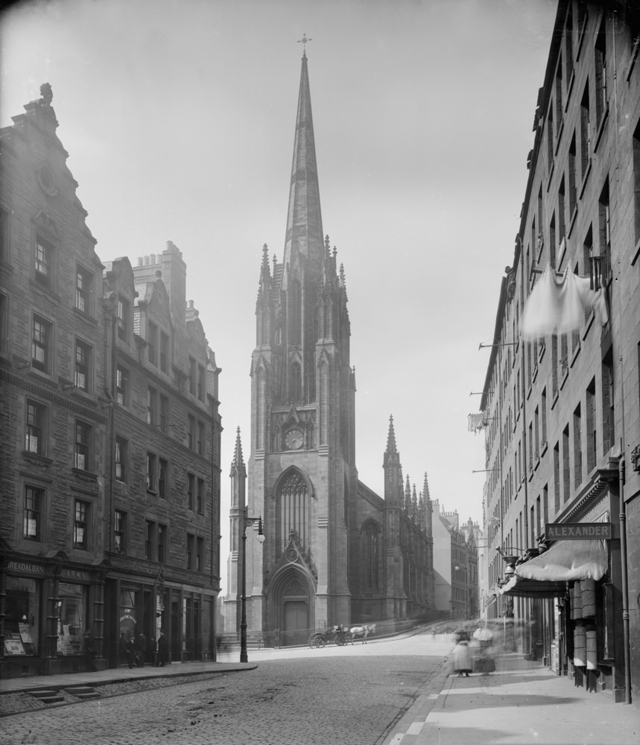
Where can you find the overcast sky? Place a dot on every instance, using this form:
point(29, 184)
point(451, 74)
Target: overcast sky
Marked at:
point(179, 117)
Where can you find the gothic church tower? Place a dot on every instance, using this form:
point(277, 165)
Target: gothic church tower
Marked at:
point(302, 475)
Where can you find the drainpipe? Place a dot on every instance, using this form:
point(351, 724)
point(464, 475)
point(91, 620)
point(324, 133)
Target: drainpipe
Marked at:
point(621, 463)
point(625, 584)
point(527, 603)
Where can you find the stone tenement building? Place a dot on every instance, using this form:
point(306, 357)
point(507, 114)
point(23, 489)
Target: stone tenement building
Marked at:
point(562, 391)
point(109, 431)
point(455, 565)
point(335, 552)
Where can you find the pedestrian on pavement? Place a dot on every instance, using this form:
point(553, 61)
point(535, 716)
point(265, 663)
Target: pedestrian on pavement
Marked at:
point(484, 636)
point(484, 662)
point(89, 651)
point(141, 649)
point(462, 657)
point(161, 656)
point(127, 649)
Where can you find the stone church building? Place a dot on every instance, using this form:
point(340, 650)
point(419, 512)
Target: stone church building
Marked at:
point(334, 551)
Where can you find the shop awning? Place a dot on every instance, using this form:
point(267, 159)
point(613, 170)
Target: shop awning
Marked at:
point(566, 561)
point(545, 576)
point(532, 588)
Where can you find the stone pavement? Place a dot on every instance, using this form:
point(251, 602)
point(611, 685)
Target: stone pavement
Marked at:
point(313, 700)
point(521, 706)
point(120, 674)
point(37, 693)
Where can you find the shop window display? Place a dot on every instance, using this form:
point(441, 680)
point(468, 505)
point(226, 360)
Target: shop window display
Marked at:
point(21, 621)
point(72, 618)
point(128, 613)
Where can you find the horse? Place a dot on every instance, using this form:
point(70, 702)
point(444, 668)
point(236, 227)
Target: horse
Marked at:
point(362, 631)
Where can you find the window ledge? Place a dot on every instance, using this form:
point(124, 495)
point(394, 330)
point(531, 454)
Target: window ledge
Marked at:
point(87, 317)
point(585, 178)
point(588, 325)
point(575, 354)
point(636, 254)
point(37, 459)
point(551, 169)
point(85, 475)
point(572, 220)
point(82, 395)
point(572, 80)
point(542, 348)
point(601, 126)
point(559, 136)
point(39, 287)
point(634, 57)
point(581, 36)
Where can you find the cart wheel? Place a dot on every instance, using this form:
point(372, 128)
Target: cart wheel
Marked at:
point(341, 641)
point(322, 642)
point(313, 641)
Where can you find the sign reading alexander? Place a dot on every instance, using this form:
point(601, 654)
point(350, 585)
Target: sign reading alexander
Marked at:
point(578, 531)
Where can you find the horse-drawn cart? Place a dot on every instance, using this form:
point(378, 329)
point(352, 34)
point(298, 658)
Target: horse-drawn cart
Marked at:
point(336, 634)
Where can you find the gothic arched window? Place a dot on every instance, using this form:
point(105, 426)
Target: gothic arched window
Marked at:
point(370, 555)
point(292, 509)
point(295, 313)
point(295, 383)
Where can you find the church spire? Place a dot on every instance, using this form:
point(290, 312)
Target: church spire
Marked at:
point(304, 234)
point(237, 465)
point(392, 448)
point(392, 469)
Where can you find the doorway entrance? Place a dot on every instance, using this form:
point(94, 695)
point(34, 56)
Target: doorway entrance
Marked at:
point(296, 622)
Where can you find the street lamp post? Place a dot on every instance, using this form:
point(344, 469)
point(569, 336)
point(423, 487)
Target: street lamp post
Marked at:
point(248, 522)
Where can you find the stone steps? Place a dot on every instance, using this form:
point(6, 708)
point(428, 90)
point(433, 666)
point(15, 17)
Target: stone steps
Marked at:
point(83, 692)
point(48, 697)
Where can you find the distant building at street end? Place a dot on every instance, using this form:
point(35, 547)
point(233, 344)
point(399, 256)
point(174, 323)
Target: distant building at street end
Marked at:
point(561, 399)
point(455, 565)
point(335, 552)
point(109, 432)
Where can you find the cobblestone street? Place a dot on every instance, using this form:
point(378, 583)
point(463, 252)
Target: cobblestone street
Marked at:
point(309, 701)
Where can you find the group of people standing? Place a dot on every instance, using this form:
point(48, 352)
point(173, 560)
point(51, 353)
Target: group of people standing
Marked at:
point(132, 651)
point(482, 662)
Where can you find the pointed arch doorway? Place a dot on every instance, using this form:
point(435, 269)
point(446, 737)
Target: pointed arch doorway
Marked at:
point(292, 605)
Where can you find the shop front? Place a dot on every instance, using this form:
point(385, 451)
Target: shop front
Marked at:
point(49, 607)
point(571, 586)
point(141, 612)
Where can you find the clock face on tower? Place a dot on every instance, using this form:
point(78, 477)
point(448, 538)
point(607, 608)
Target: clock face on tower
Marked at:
point(293, 439)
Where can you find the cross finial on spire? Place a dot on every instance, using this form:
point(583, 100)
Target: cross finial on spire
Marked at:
point(304, 41)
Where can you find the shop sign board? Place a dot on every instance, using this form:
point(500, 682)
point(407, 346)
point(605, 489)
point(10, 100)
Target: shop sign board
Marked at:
point(578, 531)
point(75, 574)
point(26, 568)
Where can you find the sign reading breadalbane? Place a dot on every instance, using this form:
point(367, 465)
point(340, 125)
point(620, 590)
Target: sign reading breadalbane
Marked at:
point(578, 531)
